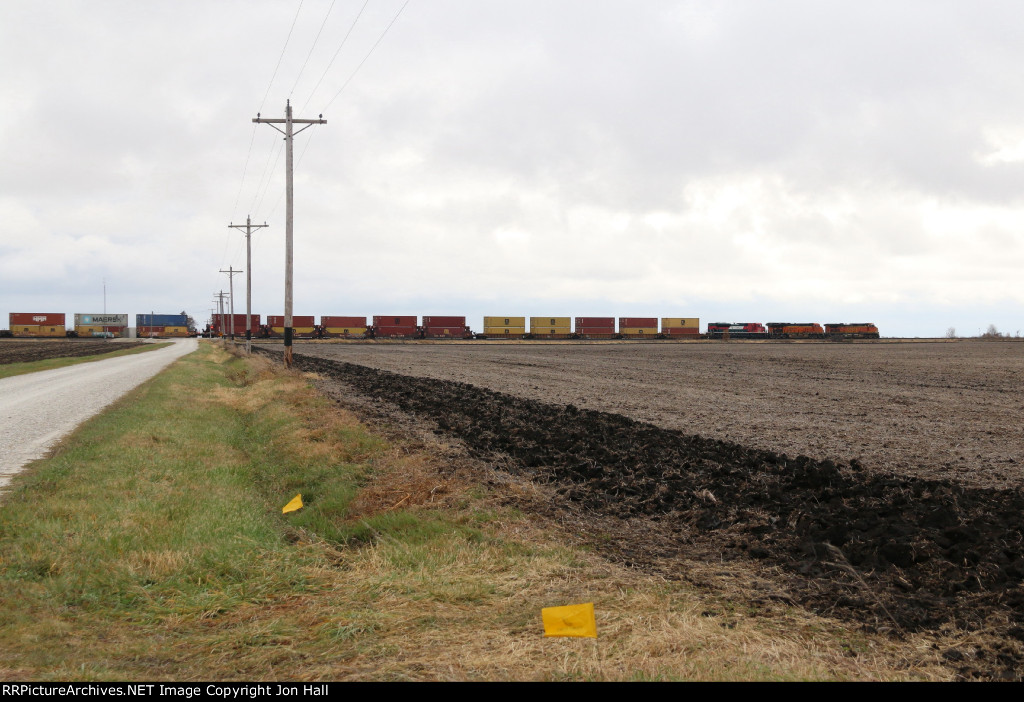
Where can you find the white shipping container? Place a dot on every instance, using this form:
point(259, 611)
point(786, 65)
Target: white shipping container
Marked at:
point(101, 320)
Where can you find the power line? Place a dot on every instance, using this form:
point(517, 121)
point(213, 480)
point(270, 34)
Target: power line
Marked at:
point(338, 51)
point(370, 53)
point(280, 57)
point(312, 47)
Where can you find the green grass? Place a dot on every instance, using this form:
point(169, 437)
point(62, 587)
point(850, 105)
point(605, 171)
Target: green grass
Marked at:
point(8, 370)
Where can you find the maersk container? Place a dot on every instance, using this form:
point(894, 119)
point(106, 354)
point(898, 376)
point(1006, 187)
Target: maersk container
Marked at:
point(101, 320)
point(161, 320)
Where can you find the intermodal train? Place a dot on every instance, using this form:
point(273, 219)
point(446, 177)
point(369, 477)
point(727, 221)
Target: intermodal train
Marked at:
point(30, 325)
point(455, 327)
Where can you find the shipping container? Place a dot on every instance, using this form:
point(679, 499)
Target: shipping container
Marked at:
point(595, 327)
point(38, 330)
point(329, 321)
point(161, 320)
point(274, 320)
point(238, 322)
point(101, 320)
point(505, 322)
point(37, 319)
point(445, 332)
point(396, 332)
point(144, 332)
point(631, 332)
point(345, 332)
point(678, 332)
point(436, 321)
point(551, 327)
point(539, 323)
point(175, 331)
point(395, 321)
point(645, 322)
point(679, 323)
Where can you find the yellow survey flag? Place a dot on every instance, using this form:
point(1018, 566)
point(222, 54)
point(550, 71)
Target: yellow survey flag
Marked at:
point(571, 620)
point(295, 504)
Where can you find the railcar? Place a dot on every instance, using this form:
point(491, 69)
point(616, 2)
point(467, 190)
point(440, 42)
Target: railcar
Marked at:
point(795, 330)
point(737, 330)
point(853, 330)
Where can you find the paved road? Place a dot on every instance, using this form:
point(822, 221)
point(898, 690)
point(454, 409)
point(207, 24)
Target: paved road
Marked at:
point(38, 409)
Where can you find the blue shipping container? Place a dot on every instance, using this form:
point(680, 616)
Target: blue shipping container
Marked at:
point(161, 320)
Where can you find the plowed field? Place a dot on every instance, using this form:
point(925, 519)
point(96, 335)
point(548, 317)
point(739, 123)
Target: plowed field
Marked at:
point(21, 351)
point(875, 482)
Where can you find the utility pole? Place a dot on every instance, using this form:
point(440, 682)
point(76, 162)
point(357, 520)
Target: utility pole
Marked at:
point(231, 286)
point(289, 213)
point(220, 300)
point(249, 226)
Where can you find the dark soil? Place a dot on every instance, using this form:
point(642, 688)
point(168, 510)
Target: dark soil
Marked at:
point(42, 349)
point(888, 551)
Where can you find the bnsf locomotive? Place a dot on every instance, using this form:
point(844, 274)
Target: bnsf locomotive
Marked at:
point(792, 330)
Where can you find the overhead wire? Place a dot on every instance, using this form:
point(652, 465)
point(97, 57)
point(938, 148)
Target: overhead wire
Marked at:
point(338, 51)
point(369, 53)
point(315, 40)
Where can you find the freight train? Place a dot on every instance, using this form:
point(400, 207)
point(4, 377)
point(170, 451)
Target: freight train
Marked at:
point(31, 325)
point(455, 327)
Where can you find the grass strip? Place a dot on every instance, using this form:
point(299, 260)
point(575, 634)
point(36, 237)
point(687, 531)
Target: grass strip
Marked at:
point(152, 546)
point(8, 370)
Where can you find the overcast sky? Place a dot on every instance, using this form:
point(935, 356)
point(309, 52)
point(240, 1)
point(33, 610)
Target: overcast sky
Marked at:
point(733, 161)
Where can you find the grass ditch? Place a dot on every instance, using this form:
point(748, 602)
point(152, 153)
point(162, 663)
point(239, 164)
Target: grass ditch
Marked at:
point(9, 370)
point(151, 546)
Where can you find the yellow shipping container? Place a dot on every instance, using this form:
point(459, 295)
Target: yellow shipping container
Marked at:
point(47, 330)
point(25, 329)
point(352, 331)
point(646, 331)
point(175, 331)
point(550, 325)
point(504, 331)
point(85, 330)
point(504, 322)
point(680, 322)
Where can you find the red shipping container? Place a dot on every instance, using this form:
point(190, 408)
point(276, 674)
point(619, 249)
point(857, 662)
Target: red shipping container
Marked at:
point(682, 331)
point(404, 331)
point(638, 322)
point(444, 321)
point(397, 321)
point(37, 318)
point(297, 321)
point(595, 323)
point(239, 323)
point(445, 332)
point(343, 322)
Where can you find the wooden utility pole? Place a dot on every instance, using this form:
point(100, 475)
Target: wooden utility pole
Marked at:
point(231, 287)
point(249, 226)
point(289, 213)
point(220, 299)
